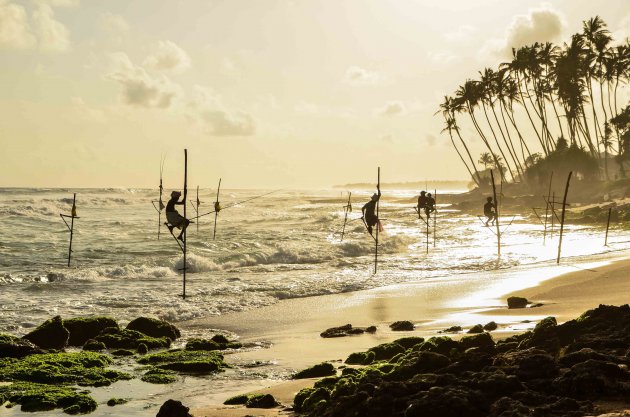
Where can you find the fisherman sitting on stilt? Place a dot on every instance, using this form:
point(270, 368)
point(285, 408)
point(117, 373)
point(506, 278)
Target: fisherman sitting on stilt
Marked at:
point(369, 215)
point(173, 217)
point(423, 202)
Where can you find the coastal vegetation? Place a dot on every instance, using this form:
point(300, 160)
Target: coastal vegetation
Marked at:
point(550, 108)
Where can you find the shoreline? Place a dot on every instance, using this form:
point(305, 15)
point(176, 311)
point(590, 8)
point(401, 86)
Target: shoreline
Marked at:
point(293, 326)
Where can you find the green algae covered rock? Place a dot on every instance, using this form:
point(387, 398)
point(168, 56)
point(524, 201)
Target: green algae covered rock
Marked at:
point(41, 397)
point(481, 340)
point(94, 346)
point(83, 368)
point(240, 399)
point(159, 376)
point(49, 335)
point(360, 358)
point(316, 371)
point(116, 401)
point(261, 401)
point(14, 347)
point(115, 338)
point(82, 329)
point(202, 344)
point(386, 351)
point(198, 362)
point(154, 328)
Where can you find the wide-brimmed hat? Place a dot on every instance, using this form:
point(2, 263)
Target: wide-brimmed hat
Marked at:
point(175, 194)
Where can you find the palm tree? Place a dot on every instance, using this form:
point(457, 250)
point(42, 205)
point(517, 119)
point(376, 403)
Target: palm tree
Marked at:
point(606, 143)
point(486, 160)
point(449, 107)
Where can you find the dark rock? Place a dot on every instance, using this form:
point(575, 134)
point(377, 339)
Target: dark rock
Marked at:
point(13, 347)
point(448, 402)
point(319, 370)
point(482, 340)
point(172, 408)
point(340, 331)
point(409, 342)
point(507, 407)
point(83, 329)
point(142, 349)
point(402, 326)
point(477, 328)
point(386, 351)
point(123, 352)
point(154, 328)
point(370, 329)
point(592, 379)
point(585, 354)
point(116, 338)
point(537, 365)
point(452, 329)
point(94, 346)
point(202, 344)
point(517, 302)
point(261, 401)
point(490, 326)
point(360, 358)
point(49, 335)
point(220, 339)
point(240, 399)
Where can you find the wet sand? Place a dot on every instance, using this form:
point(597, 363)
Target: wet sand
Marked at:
point(293, 326)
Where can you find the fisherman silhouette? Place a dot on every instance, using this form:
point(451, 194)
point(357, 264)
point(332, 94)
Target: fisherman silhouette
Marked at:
point(173, 217)
point(423, 202)
point(488, 212)
point(368, 210)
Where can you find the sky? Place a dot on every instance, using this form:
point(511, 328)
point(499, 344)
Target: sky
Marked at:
point(262, 93)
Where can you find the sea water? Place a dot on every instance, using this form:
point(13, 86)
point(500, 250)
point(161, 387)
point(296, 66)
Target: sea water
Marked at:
point(281, 245)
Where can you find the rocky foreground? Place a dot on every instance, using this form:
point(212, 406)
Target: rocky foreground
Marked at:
point(573, 369)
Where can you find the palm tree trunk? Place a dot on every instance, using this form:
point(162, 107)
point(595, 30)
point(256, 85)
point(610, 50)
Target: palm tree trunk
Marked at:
point(520, 90)
point(507, 144)
point(450, 134)
point(496, 139)
point(472, 161)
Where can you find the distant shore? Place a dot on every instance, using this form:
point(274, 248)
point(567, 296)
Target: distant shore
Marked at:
point(293, 326)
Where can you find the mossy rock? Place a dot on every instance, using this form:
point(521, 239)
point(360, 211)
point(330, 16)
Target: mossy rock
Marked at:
point(482, 340)
point(202, 344)
point(315, 400)
point(316, 371)
point(440, 344)
point(490, 326)
point(117, 401)
point(42, 397)
point(94, 346)
point(14, 347)
point(360, 358)
point(220, 339)
point(142, 349)
point(82, 368)
point(115, 338)
point(343, 387)
point(386, 351)
point(517, 302)
point(477, 328)
point(402, 326)
point(546, 323)
point(327, 382)
point(240, 399)
point(159, 376)
point(186, 361)
point(154, 328)
point(409, 342)
point(261, 401)
point(123, 352)
point(298, 400)
point(49, 335)
point(82, 329)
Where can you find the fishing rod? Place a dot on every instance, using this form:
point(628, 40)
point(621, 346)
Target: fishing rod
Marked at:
point(378, 221)
point(217, 209)
point(347, 209)
point(196, 205)
point(160, 206)
point(239, 202)
point(73, 215)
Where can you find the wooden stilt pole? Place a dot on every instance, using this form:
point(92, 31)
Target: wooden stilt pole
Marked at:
point(434, 215)
point(427, 236)
point(564, 208)
point(607, 226)
point(73, 215)
point(547, 209)
point(217, 208)
point(496, 210)
point(185, 219)
point(346, 209)
point(197, 209)
point(553, 213)
point(378, 186)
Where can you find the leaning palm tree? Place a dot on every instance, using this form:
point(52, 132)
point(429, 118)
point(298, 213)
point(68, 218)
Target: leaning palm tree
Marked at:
point(486, 160)
point(449, 128)
point(606, 144)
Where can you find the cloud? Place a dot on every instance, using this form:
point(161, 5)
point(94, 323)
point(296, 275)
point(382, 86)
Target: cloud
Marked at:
point(392, 108)
point(208, 109)
point(360, 76)
point(623, 29)
point(139, 88)
point(463, 33)
point(52, 34)
point(15, 31)
point(114, 24)
point(60, 3)
point(168, 57)
point(543, 24)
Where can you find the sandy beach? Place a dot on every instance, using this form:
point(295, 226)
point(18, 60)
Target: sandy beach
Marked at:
point(293, 326)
